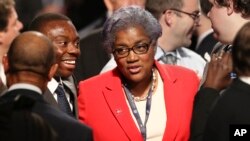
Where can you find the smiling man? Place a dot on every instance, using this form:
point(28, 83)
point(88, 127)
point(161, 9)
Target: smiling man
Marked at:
point(62, 89)
point(179, 19)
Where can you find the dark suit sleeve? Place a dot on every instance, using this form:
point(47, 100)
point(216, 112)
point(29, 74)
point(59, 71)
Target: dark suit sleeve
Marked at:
point(203, 104)
point(87, 133)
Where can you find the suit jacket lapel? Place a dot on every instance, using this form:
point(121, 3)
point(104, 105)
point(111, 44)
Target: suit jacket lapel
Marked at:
point(116, 100)
point(171, 99)
point(70, 86)
point(70, 83)
point(48, 96)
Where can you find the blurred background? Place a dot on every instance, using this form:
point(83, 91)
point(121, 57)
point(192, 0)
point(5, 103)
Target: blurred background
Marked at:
point(81, 12)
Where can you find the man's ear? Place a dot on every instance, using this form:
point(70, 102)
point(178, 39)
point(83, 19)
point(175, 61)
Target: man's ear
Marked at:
point(168, 17)
point(230, 8)
point(5, 62)
point(52, 71)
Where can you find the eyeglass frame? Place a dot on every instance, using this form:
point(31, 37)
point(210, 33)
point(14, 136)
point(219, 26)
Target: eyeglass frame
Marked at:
point(194, 16)
point(147, 45)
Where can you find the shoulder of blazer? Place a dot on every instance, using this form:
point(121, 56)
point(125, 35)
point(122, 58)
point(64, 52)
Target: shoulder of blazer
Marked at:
point(173, 72)
point(108, 79)
point(12, 95)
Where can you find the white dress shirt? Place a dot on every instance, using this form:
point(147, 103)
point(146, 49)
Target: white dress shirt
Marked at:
point(25, 86)
point(52, 86)
point(2, 74)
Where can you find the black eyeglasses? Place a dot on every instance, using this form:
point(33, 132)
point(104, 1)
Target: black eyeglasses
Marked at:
point(195, 16)
point(140, 48)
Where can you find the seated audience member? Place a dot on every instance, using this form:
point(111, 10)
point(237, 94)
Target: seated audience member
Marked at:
point(61, 92)
point(29, 65)
point(125, 103)
point(233, 106)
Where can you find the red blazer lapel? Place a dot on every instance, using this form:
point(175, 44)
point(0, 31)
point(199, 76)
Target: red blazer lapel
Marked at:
point(171, 99)
point(116, 100)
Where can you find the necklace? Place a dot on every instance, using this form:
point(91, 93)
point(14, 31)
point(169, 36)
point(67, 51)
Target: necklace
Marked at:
point(131, 101)
point(138, 98)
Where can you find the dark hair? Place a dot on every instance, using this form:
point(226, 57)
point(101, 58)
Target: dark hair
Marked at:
point(205, 6)
point(129, 17)
point(38, 22)
point(5, 13)
point(241, 51)
point(242, 6)
point(157, 7)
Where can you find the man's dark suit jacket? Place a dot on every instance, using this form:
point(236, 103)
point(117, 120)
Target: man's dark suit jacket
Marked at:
point(206, 45)
point(70, 87)
point(231, 108)
point(66, 127)
point(93, 56)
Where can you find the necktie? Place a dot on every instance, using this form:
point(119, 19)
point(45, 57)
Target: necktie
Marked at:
point(168, 59)
point(62, 100)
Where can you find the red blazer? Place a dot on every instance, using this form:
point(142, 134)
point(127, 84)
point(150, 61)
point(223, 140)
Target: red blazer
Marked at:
point(102, 105)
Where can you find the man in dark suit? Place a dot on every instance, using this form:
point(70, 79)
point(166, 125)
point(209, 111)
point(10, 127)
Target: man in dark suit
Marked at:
point(29, 65)
point(205, 41)
point(61, 31)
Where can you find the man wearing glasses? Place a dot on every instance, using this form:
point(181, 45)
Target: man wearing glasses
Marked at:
point(178, 20)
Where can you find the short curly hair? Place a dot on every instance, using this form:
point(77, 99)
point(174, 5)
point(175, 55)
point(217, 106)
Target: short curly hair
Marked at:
point(242, 6)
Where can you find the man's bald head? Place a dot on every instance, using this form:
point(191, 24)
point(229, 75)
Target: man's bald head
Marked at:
point(31, 51)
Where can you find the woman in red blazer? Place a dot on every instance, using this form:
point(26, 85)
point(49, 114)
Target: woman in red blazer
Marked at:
point(140, 99)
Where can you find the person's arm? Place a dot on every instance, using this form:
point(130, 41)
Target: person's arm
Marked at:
point(217, 79)
point(203, 103)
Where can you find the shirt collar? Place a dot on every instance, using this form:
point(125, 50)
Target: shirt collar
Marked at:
point(2, 75)
point(203, 35)
point(161, 52)
point(52, 85)
point(25, 86)
point(245, 79)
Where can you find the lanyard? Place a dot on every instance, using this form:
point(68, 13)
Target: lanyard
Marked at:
point(142, 127)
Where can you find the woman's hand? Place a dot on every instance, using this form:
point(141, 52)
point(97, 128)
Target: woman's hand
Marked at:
point(219, 69)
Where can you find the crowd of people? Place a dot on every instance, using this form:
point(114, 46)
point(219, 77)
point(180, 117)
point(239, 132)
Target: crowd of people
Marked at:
point(149, 70)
